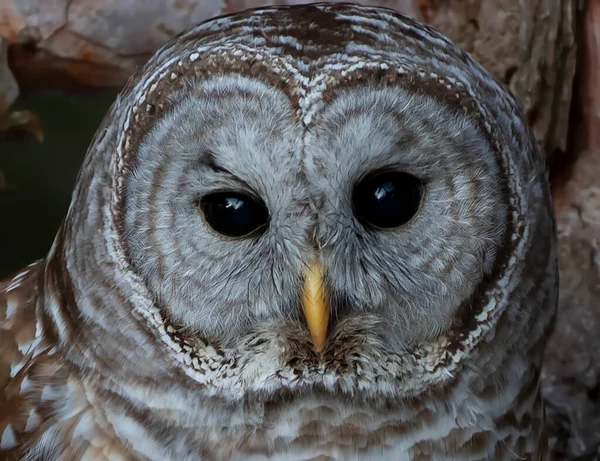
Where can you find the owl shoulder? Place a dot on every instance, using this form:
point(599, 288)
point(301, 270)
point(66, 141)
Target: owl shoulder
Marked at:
point(23, 355)
point(44, 410)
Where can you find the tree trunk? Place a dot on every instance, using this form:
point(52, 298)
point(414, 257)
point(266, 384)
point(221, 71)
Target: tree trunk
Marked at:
point(571, 381)
point(530, 45)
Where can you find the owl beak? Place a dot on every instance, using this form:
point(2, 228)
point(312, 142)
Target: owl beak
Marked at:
point(314, 303)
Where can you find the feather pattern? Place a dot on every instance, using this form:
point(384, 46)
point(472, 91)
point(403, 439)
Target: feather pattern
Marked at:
point(102, 363)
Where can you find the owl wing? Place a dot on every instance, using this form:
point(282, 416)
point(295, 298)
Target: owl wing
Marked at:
point(24, 356)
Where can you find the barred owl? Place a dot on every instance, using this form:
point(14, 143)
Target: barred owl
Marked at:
point(308, 232)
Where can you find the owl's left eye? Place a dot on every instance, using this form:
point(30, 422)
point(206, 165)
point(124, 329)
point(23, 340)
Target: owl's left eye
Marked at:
point(387, 200)
point(234, 214)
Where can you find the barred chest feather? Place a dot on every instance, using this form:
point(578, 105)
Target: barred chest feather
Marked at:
point(50, 413)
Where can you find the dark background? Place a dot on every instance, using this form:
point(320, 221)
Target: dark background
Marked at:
point(41, 176)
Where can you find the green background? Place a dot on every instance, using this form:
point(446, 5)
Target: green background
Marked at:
point(41, 175)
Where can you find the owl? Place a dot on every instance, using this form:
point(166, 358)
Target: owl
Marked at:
point(308, 232)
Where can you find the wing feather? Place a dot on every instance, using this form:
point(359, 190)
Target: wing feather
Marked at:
point(23, 352)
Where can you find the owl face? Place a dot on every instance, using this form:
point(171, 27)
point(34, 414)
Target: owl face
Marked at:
point(322, 195)
point(231, 197)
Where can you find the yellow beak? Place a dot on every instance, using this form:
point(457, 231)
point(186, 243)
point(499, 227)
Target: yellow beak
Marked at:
point(314, 304)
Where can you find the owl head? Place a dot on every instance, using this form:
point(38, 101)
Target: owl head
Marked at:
point(323, 195)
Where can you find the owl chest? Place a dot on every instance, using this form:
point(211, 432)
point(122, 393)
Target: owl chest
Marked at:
point(305, 428)
point(325, 431)
point(315, 428)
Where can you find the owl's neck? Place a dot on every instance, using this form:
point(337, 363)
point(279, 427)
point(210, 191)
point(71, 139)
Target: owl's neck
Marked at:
point(482, 409)
point(180, 427)
point(159, 413)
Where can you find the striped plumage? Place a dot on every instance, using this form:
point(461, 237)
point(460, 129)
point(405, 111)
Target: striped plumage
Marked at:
point(114, 345)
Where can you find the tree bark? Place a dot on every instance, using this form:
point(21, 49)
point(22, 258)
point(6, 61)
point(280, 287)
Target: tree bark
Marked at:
point(529, 45)
point(571, 377)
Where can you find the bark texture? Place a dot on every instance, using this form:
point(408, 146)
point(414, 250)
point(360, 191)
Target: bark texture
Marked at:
point(9, 90)
point(571, 379)
point(571, 375)
point(530, 45)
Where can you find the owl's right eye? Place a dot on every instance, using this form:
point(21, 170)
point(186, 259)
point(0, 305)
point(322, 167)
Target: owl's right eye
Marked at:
point(234, 214)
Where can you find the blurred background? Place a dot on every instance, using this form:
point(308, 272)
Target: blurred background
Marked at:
point(39, 176)
point(62, 62)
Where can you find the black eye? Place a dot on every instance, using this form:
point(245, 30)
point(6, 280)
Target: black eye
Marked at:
point(387, 200)
point(234, 214)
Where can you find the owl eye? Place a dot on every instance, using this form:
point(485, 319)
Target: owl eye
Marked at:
point(234, 214)
point(387, 200)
